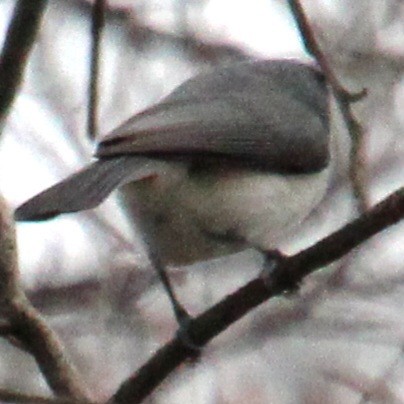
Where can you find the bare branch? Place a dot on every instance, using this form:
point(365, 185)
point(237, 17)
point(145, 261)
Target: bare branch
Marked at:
point(20, 38)
point(288, 274)
point(36, 336)
point(97, 25)
point(344, 100)
point(24, 323)
point(8, 255)
point(16, 397)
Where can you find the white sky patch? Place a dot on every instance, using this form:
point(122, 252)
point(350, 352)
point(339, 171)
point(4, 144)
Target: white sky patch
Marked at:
point(20, 161)
point(260, 26)
point(5, 12)
point(41, 250)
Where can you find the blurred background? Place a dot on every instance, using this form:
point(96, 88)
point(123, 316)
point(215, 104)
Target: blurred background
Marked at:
point(340, 339)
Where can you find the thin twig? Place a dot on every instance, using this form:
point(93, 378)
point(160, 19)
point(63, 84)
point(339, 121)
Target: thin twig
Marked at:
point(38, 338)
point(25, 325)
point(288, 274)
point(9, 286)
point(344, 99)
point(17, 397)
point(97, 25)
point(20, 37)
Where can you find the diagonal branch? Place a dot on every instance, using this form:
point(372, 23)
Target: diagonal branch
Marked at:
point(344, 100)
point(25, 325)
point(31, 330)
point(17, 397)
point(288, 274)
point(20, 38)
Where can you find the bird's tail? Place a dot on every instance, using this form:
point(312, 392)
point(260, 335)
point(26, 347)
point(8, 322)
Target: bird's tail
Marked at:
point(85, 189)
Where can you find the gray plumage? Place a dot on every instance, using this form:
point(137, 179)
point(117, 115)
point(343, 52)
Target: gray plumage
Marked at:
point(85, 189)
point(268, 113)
point(239, 153)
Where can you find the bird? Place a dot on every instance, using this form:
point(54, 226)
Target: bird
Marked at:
point(233, 158)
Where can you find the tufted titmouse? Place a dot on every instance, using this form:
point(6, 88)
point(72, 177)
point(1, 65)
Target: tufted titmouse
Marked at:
point(233, 158)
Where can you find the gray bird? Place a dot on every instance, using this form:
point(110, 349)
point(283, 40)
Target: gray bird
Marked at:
point(234, 158)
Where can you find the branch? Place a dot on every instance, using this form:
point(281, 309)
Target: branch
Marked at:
point(19, 41)
point(5, 330)
point(9, 286)
point(287, 276)
point(97, 25)
point(17, 397)
point(25, 325)
point(40, 341)
point(344, 100)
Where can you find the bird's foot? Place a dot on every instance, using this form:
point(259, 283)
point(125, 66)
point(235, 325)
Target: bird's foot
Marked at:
point(269, 273)
point(184, 320)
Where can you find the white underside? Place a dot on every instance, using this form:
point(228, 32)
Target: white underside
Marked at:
point(260, 208)
point(197, 217)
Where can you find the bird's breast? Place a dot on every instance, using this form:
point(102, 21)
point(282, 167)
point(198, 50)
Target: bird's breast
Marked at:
point(197, 216)
point(257, 207)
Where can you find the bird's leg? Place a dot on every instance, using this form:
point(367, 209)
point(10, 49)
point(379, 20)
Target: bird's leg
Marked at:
point(271, 263)
point(148, 230)
point(182, 316)
point(180, 312)
point(146, 225)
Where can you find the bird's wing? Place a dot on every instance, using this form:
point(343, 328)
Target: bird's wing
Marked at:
point(85, 189)
point(278, 121)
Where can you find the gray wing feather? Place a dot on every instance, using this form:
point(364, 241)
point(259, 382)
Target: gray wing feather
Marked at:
point(272, 113)
point(278, 120)
point(85, 189)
